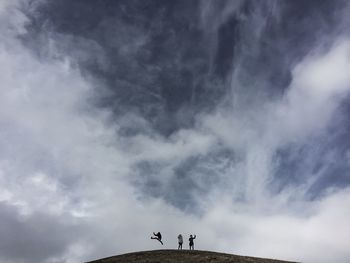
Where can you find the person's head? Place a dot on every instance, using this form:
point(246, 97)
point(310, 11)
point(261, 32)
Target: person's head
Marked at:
point(190, 235)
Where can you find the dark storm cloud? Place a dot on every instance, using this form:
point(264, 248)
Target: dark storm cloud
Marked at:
point(322, 158)
point(182, 190)
point(156, 55)
point(36, 237)
point(157, 58)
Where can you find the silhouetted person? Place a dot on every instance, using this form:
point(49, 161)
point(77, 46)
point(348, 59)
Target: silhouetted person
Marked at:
point(157, 236)
point(191, 242)
point(180, 239)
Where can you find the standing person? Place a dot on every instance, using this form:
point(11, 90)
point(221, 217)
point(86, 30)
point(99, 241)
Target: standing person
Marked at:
point(180, 239)
point(157, 236)
point(191, 242)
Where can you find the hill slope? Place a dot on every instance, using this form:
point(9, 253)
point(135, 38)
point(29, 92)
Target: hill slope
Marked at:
point(171, 256)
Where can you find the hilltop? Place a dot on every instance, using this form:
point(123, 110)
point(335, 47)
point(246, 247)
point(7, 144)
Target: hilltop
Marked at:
point(181, 256)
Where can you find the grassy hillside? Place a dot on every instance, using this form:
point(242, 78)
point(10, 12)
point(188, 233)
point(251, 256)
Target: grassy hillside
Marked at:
point(171, 256)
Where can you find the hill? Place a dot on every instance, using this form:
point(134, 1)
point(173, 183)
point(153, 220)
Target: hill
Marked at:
point(181, 256)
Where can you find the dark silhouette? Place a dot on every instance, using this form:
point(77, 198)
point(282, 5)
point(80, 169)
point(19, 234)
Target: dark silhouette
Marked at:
point(191, 242)
point(157, 236)
point(180, 239)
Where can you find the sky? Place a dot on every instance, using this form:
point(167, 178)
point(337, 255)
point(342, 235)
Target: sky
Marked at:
point(224, 119)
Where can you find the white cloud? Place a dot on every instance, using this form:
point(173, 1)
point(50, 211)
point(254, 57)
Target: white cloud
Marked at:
point(319, 83)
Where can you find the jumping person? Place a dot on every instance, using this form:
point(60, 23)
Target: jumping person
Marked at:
point(191, 242)
point(157, 236)
point(180, 239)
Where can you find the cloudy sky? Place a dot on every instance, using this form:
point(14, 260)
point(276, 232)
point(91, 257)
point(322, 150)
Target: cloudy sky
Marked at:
point(224, 119)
